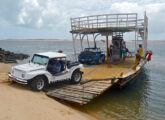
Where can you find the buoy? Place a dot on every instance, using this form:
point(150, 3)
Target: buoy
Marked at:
point(148, 55)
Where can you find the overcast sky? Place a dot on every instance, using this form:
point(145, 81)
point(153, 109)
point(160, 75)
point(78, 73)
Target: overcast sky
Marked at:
point(51, 18)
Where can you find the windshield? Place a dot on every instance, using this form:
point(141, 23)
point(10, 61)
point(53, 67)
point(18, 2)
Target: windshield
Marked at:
point(92, 49)
point(42, 60)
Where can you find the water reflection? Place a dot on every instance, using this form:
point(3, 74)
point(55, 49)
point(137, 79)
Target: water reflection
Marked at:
point(127, 103)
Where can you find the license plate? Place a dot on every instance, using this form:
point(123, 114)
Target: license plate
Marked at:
point(13, 79)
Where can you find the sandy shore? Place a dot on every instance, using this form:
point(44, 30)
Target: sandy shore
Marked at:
point(20, 103)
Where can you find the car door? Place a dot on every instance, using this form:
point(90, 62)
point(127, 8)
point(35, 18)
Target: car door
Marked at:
point(64, 74)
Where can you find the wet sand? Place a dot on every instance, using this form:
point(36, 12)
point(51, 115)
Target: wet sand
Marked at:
point(18, 102)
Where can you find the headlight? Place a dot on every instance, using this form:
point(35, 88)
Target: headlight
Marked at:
point(23, 75)
point(12, 71)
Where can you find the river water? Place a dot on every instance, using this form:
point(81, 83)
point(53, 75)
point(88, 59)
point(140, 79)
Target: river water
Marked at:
point(144, 99)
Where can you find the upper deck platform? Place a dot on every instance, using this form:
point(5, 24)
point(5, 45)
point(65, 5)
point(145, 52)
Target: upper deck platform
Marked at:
point(124, 22)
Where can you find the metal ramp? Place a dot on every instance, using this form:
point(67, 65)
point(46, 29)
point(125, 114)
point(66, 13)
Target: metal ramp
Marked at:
point(82, 93)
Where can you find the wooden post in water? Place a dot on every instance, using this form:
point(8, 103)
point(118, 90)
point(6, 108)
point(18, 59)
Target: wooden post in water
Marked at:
point(107, 49)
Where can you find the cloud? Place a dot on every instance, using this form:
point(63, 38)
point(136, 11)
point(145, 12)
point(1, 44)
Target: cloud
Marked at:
point(54, 16)
point(9, 9)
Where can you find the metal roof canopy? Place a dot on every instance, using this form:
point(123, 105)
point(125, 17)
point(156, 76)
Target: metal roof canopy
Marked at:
point(52, 54)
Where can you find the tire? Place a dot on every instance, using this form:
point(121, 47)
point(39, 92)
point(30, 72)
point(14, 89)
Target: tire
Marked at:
point(103, 59)
point(38, 83)
point(76, 76)
point(99, 61)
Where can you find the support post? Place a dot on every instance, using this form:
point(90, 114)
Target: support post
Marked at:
point(136, 41)
point(73, 38)
point(107, 49)
point(94, 40)
point(95, 45)
point(87, 40)
point(81, 42)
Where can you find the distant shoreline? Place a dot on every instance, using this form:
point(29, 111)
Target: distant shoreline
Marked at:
point(64, 40)
point(54, 40)
point(43, 40)
point(149, 40)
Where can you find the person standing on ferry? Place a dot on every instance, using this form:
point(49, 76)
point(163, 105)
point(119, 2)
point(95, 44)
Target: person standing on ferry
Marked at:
point(123, 51)
point(140, 49)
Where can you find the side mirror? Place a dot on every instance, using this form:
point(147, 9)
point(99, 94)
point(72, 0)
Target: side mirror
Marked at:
point(67, 69)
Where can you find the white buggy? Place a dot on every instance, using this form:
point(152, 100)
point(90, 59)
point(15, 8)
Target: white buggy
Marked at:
point(36, 73)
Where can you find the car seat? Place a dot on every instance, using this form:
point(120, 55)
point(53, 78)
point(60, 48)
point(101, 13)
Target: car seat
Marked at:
point(62, 65)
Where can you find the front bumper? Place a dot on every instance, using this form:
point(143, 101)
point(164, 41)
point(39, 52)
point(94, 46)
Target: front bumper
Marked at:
point(87, 61)
point(18, 80)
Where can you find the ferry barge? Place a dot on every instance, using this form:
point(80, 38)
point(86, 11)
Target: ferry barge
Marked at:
point(98, 78)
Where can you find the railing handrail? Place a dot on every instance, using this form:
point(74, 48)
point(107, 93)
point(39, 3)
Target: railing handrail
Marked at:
point(106, 15)
point(106, 20)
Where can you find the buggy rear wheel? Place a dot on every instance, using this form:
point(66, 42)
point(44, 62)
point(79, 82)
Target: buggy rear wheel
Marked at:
point(76, 76)
point(99, 61)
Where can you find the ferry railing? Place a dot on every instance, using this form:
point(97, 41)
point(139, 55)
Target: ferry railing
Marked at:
point(72, 57)
point(104, 21)
point(140, 23)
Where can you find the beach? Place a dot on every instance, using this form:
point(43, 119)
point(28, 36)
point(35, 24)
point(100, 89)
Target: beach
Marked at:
point(21, 103)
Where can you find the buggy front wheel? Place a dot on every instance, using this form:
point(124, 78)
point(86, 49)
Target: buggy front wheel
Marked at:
point(76, 76)
point(38, 83)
